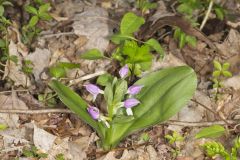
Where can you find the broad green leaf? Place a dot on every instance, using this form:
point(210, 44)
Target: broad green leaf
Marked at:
point(73, 101)
point(92, 54)
point(130, 23)
point(33, 21)
point(164, 94)
point(227, 73)
point(211, 132)
point(153, 43)
point(45, 16)
point(57, 72)
point(1, 10)
point(31, 9)
point(217, 65)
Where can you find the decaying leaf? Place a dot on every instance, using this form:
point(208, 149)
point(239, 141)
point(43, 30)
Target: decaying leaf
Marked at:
point(92, 23)
point(14, 71)
point(40, 59)
point(42, 139)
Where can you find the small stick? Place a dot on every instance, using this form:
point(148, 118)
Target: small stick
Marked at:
point(226, 122)
point(36, 111)
point(207, 15)
point(89, 76)
point(57, 34)
point(197, 124)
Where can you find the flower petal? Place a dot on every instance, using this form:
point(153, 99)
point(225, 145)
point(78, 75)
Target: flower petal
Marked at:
point(134, 89)
point(131, 102)
point(124, 71)
point(94, 112)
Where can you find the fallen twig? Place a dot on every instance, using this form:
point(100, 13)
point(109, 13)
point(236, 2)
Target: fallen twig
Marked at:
point(198, 124)
point(36, 111)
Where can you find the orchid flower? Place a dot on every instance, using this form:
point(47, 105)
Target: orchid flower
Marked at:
point(95, 114)
point(129, 103)
point(94, 90)
point(123, 72)
point(134, 89)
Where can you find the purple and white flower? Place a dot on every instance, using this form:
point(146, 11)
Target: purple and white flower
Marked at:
point(123, 72)
point(134, 89)
point(94, 112)
point(94, 90)
point(129, 103)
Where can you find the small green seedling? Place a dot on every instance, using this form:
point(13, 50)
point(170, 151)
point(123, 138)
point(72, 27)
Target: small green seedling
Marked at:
point(48, 99)
point(145, 137)
point(3, 127)
point(214, 149)
point(172, 139)
point(184, 39)
point(136, 54)
point(33, 152)
point(60, 156)
point(27, 67)
point(221, 72)
point(30, 31)
point(145, 5)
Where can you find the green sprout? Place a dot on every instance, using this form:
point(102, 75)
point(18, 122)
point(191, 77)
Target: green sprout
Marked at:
point(221, 72)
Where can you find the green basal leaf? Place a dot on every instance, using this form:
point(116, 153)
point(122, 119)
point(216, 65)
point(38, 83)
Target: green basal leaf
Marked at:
point(217, 65)
point(31, 9)
point(2, 43)
point(164, 94)
point(211, 132)
point(33, 21)
point(92, 54)
point(130, 23)
point(153, 43)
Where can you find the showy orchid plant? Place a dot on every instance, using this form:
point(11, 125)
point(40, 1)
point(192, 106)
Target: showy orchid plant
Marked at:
point(151, 100)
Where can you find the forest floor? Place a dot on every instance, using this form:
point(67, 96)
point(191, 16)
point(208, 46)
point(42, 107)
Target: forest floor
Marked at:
point(35, 124)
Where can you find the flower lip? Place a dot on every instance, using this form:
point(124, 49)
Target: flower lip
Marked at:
point(131, 102)
point(123, 72)
point(94, 112)
point(134, 89)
